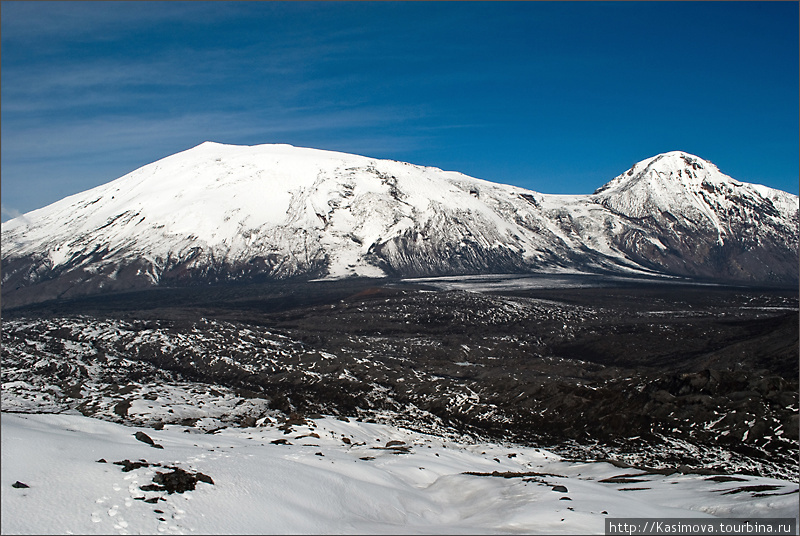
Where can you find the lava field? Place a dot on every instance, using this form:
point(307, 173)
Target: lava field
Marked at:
point(664, 376)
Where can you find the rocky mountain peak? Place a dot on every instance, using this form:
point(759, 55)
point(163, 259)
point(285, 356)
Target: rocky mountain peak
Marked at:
point(673, 169)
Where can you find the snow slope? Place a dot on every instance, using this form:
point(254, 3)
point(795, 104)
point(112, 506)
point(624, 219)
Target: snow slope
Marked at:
point(335, 476)
point(218, 212)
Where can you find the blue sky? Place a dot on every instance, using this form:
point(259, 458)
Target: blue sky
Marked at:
point(558, 97)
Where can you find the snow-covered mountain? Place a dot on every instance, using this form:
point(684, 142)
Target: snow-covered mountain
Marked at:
point(221, 212)
point(686, 217)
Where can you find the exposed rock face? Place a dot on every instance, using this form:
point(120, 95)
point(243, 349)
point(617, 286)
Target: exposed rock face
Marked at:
point(218, 213)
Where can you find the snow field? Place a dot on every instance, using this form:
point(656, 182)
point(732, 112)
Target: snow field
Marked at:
point(349, 479)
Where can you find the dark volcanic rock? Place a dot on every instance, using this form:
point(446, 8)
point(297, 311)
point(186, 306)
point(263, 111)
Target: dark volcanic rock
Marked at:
point(128, 465)
point(144, 438)
point(179, 480)
point(630, 372)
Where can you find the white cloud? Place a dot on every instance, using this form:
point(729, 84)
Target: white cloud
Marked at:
point(8, 213)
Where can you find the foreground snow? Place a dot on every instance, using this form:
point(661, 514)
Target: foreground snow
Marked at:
point(335, 476)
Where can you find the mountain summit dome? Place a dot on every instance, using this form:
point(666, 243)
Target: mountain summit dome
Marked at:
point(676, 167)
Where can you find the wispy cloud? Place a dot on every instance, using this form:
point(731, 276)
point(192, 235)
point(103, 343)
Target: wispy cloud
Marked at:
point(57, 23)
point(8, 213)
point(99, 134)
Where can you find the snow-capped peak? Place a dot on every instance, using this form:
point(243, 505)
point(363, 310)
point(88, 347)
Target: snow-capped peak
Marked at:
point(676, 167)
point(677, 183)
point(687, 195)
point(674, 161)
